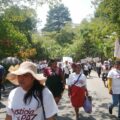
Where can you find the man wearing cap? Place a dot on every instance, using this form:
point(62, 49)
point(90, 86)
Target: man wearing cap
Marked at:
point(114, 86)
point(31, 100)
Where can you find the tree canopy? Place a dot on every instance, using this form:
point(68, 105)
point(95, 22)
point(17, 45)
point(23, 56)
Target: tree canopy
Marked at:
point(57, 17)
point(109, 9)
point(60, 37)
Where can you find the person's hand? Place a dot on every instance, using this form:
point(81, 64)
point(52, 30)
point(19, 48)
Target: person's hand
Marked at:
point(87, 94)
point(110, 92)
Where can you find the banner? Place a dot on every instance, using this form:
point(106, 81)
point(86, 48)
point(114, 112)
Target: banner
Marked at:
point(96, 59)
point(69, 59)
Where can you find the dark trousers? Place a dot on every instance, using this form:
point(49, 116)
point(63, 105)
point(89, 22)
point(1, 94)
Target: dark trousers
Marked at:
point(99, 71)
point(2, 87)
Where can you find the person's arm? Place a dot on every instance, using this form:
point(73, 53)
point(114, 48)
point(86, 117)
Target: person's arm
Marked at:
point(110, 85)
point(8, 117)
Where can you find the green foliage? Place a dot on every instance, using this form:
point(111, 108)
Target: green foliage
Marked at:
point(8, 3)
point(93, 38)
point(23, 19)
point(101, 36)
point(57, 17)
point(16, 26)
point(86, 46)
point(10, 38)
point(109, 9)
point(65, 36)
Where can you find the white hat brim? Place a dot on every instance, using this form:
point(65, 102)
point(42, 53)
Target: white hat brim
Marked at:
point(12, 77)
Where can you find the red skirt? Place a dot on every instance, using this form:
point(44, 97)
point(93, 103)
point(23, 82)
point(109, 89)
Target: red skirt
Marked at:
point(77, 96)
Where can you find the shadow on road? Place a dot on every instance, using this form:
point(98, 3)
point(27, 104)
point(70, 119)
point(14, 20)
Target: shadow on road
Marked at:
point(2, 105)
point(101, 111)
point(63, 118)
point(86, 118)
point(8, 88)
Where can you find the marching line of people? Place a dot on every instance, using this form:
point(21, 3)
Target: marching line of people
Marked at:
point(41, 92)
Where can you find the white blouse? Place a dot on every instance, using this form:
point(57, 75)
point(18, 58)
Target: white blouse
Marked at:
point(74, 77)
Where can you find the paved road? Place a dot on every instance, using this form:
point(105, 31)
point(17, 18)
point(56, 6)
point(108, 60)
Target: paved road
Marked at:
point(101, 99)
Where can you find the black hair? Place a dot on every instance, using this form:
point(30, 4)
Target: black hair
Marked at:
point(36, 92)
point(79, 64)
point(51, 61)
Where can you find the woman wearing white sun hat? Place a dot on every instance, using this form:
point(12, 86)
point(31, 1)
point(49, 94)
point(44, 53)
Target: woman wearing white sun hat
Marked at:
point(29, 101)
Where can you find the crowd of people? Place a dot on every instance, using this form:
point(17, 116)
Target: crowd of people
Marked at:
point(40, 87)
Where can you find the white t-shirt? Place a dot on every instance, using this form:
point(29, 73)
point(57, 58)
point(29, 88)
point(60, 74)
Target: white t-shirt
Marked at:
point(104, 70)
point(19, 111)
point(66, 69)
point(98, 64)
point(73, 77)
point(86, 67)
point(115, 75)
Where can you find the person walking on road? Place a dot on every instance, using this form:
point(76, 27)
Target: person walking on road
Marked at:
point(105, 70)
point(66, 69)
point(114, 87)
point(55, 79)
point(77, 95)
point(86, 69)
point(98, 68)
point(31, 100)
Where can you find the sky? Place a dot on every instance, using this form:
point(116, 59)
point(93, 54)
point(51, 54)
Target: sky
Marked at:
point(79, 9)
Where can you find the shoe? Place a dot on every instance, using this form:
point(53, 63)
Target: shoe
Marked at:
point(110, 110)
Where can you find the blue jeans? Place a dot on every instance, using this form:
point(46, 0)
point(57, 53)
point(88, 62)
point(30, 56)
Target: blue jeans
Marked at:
point(116, 101)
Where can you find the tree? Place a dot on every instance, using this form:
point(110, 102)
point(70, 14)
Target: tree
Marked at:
point(11, 39)
point(109, 9)
point(23, 19)
point(65, 36)
point(17, 25)
point(8, 3)
point(57, 18)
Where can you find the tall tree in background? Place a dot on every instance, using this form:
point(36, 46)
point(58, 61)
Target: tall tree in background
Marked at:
point(57, 17)
point(110, 10)
point(10, 39)
point(17, 25)
point(23, 19)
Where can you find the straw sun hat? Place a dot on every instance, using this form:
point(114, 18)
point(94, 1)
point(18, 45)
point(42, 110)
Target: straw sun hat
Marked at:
point(25, 67)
